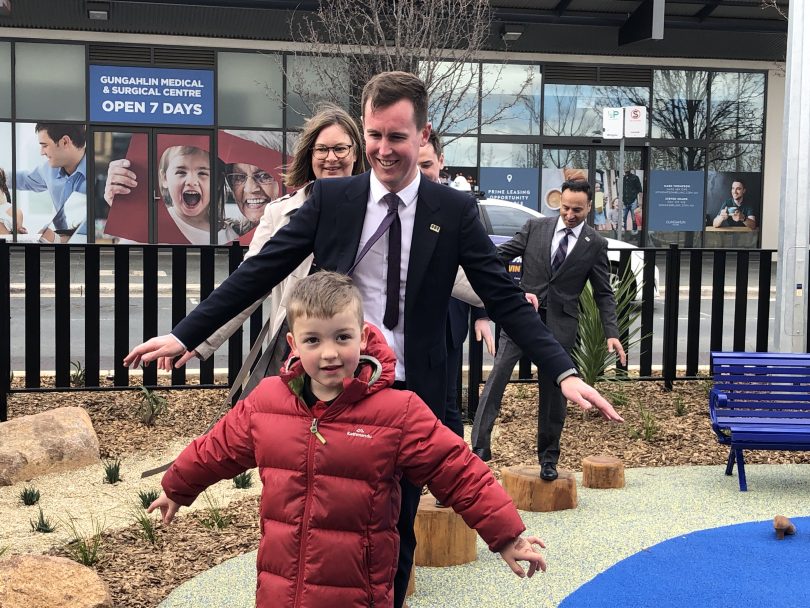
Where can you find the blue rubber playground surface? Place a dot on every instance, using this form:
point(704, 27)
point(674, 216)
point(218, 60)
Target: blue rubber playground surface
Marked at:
point(673, 537)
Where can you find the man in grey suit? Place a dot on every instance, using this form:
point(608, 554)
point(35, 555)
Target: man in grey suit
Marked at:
point(559, 255)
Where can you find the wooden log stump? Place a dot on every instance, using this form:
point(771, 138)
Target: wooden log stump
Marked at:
point(530, 493)
point(442, 537)
point(411, 583)
point(602, 472)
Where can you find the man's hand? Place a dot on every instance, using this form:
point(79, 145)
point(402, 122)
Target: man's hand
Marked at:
point(614, 345)
point(586, 397)
point(521, 549)
point(532, 299)
point(120, 180)
point(166, 346)
point(169, 362)
point(168, 508)
point(483, 331)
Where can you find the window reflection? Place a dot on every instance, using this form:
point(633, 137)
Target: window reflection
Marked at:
point(510, 99)
point(738, 104)
point(250, 89)
point(312, 80)
point(576, 109)
point(453, 96)
point(683, 158)
point(735, 157)
point(679, 104)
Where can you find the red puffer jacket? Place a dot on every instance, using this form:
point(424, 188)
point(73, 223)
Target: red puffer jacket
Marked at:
point(331, 495)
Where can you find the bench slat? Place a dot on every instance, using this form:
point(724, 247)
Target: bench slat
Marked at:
point(736, 415)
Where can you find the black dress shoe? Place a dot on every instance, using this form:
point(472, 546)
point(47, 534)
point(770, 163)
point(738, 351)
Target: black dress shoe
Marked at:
point(548, 471)
point(484, 454)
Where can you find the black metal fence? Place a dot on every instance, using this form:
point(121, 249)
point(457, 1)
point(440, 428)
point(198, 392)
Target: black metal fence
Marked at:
point(92, 303)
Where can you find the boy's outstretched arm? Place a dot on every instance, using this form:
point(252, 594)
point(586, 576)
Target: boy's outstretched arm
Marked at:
point(522, 549)
point(168, 509)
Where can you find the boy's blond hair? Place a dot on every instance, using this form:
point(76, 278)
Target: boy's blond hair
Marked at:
point(323, 295)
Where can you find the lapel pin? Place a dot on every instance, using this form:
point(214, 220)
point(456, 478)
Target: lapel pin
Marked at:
point(587, 238)
point(435, 227)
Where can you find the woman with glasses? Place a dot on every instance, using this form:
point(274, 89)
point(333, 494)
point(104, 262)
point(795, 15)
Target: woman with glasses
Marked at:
point(252, 189)
point(328, 146)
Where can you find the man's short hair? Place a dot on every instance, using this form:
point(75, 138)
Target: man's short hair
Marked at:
point(323, 295)
point(434, 141)
point(739, 181)
point(57, 130)
point(577, 185)
point(387, 88)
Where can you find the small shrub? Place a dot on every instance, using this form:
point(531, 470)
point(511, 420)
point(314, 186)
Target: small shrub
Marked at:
point(213, 518)
point(152, 405)
point(79, 375)
point(147, 524)
point(42, 524)
point(680, 406)
point(649, 428)
point(243, 480)
point(147, 497)
point(618, 398)
point(522, 390)
point(29, 496)
point(112, 471)
point(83, 547)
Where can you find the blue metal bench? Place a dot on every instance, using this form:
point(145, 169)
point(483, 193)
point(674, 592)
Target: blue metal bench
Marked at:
point(760, 401)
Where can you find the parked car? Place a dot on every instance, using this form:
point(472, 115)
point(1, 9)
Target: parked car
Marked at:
point(503, 219)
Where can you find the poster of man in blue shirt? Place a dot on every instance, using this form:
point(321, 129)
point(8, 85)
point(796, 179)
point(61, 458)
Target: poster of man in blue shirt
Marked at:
point(63, 174)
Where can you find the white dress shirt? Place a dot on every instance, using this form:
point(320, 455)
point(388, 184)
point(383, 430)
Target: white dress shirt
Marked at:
point(559, 233)
point(370, 274)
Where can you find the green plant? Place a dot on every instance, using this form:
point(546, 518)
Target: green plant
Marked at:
point(590, 354)
point(4, 550)
point(243, 480)
point(147, 524)
point(152, 405)
point(79, 375)
point(83, 547)
point(147, 497)
point(649, 428)
point(522, 390)
point(42, 524)
point(617, 397)
point(680, 406)
point(29, 496)
point(213, 518)
point(112, 471)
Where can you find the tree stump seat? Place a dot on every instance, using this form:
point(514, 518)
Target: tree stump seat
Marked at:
point(602, 472)
point(530, 493)
point(442, 537)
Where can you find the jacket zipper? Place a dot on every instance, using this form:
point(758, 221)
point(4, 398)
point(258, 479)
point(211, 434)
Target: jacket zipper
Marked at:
point(367, 560)
point(305, 522)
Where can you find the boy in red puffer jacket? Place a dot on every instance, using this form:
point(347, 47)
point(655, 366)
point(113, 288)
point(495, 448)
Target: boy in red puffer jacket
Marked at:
point(331, 441)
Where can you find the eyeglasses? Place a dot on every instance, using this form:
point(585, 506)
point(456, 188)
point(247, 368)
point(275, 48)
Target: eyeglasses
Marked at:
point(262, 178)
point(340, 150)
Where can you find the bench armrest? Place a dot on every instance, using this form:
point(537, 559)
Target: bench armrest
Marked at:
point(717, 400)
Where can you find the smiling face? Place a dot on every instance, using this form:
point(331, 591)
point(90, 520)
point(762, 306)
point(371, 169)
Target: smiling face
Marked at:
point(737, 191)
point(329, 349)
point(253, 188)
point(574, 208)
point(392, 143)
point(331, 137)
point(185, 178)
point(56, 152)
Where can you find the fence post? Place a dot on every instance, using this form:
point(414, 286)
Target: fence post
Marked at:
point(5, 328)
point(672, 295)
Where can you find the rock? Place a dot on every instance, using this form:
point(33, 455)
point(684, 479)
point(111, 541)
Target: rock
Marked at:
point(33, 581)
point(62, 439)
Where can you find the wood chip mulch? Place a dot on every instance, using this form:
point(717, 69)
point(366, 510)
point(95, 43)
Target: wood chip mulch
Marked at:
point(661, 429)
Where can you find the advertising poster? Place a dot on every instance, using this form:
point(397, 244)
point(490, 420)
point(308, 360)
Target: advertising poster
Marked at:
point(516, 185)
point(676, 201)
point(51, 183)
point(550, 193)
point(150, 95)
point(734, 201)
point(7, 208)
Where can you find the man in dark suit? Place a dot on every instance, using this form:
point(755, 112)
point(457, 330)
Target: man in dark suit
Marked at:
point(559, 255)
point(438, 230)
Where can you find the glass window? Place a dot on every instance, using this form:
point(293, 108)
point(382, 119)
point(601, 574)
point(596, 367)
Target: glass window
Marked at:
point(510, 155)
point(250, 90)
point(50, 81)
point(461, 152)
point(314, 79)
point(679, 158)
point(510, 99)
point(738, 105)
point(679, 104)
point(453, 96)
point(576, 109)
point(735, 157)
point(5, 79)
point(506, 221)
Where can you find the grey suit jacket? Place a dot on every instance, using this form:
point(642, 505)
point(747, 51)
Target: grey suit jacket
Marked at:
point(559, 293)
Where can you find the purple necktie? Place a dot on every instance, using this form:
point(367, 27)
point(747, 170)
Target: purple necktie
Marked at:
point(562, 250)
point(391, 220)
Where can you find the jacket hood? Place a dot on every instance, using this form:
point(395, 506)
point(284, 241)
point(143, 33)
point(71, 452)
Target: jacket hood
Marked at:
point(376, 370)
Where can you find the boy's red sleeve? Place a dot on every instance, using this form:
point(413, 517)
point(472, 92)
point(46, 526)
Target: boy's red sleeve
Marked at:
point(432, 454)
point(224, 452)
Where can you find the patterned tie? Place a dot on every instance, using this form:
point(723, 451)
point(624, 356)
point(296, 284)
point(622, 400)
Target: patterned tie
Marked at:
point(562, 250)
point(391, 316)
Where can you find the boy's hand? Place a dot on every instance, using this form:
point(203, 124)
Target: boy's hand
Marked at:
point(168, 508)
point(521, 549)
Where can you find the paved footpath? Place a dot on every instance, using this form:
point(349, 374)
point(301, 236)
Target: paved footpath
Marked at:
point(606, 527)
